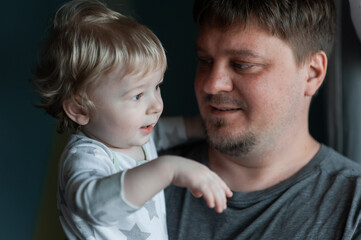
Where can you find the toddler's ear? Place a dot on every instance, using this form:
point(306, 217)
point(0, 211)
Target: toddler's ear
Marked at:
point(75, 112)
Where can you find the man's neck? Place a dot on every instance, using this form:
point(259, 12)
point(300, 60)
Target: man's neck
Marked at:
point(248, 174)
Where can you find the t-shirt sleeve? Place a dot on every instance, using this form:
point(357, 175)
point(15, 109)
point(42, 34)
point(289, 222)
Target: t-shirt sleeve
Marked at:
point(169, 132)
point(92, 188)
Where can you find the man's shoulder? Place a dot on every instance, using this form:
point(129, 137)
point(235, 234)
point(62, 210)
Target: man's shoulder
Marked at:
point(336, 162)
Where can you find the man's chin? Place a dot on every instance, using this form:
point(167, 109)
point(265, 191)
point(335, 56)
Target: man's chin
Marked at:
point(232, 145)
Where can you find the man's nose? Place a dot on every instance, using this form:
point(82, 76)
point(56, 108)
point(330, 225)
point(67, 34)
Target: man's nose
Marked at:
point(218, 80)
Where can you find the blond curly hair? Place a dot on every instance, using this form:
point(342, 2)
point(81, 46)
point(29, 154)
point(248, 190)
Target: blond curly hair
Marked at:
point(86, 41)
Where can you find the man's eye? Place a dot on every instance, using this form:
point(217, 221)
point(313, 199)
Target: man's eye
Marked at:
point(137, 97)
point(242, 65)
point(204, 61)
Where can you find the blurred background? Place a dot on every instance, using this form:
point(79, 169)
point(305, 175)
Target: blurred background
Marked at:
point(30, 145)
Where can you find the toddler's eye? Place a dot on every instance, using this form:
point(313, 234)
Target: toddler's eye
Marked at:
point(137, 97)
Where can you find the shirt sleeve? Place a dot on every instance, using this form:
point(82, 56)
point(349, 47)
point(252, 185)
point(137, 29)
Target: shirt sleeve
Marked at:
point(169, 132)
point(91, 186)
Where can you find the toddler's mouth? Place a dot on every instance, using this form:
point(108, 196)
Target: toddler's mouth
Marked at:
point(147, 129)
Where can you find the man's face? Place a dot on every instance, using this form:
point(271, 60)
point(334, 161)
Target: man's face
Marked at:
point(249, 89)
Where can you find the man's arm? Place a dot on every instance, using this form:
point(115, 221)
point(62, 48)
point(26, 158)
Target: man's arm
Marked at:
point(194, 127)
point(173, 131)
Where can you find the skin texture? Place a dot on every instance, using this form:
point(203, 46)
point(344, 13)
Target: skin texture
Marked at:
point(126, 110)
point(254, 100)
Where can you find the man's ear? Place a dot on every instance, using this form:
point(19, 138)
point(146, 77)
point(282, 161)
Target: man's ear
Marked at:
point(75, 112)
point(317, 66)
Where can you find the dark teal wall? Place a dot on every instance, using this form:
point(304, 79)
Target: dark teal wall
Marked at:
point(25, 132)
point(173, 24)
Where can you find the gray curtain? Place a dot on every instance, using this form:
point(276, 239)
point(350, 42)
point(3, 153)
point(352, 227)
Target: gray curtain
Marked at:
point(343, 84)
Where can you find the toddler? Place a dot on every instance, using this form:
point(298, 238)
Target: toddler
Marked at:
point(99, 75)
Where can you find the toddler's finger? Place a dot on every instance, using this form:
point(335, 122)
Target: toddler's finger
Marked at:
point(209, 198)
point(197, 194)
point(225, 187)
point(228, 192)
point(221, 201)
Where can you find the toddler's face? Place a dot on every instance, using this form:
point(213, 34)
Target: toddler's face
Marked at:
point(126, 109)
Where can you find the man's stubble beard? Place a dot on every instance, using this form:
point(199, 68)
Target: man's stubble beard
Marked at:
point(235, 145)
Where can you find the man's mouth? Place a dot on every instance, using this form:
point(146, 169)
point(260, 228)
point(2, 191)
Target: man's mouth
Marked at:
point(225, 109)
point(224, 103)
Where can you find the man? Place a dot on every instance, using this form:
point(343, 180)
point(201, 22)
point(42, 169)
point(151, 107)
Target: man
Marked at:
point(260, 64)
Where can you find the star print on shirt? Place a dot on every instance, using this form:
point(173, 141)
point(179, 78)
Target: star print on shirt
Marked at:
point(93, 172)
point(135, 233)
point(90, 151)
point(85, 230)
point(152, 211)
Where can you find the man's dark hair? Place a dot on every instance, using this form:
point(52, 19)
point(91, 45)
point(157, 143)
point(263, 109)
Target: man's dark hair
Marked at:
point(307, 26)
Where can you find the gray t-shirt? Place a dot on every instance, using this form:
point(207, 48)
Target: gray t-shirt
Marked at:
point(322, 201)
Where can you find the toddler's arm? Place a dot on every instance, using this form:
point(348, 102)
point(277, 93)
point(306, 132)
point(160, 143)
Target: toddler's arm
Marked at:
point(143, 182)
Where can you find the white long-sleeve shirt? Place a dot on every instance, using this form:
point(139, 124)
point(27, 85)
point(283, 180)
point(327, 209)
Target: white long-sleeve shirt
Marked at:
point(90, 196)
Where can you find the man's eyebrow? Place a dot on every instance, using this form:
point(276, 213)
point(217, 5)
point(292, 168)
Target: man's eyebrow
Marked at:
point(199, 48)
point(233, 52)
point(242, 52)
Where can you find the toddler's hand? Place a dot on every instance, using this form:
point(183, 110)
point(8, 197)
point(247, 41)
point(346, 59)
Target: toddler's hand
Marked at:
point(201, 181)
